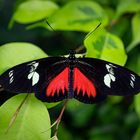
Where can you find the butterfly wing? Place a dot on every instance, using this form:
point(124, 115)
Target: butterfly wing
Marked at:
point(55, 87)
point(20, 78)
point(107, 79)
point(34, 76)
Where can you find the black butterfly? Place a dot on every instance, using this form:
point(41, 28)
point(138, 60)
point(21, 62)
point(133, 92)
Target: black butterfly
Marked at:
point(53, 79)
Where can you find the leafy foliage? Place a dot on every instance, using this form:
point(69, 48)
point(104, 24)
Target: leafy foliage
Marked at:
point(32, 120)
point(11, 56)
point(116, 40)
point(127, 6)
point(30, 11)
point(135, 32)
point(102, 43)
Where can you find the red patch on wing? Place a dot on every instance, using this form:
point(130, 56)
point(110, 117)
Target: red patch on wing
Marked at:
point(59, 83)
point(82, 83)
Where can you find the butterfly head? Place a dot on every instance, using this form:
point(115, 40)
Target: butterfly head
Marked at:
point(72, 54)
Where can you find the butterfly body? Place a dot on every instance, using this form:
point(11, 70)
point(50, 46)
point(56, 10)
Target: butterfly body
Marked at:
point(53, 79)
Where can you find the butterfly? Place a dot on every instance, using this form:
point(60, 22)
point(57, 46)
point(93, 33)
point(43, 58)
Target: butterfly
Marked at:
point(53, 79)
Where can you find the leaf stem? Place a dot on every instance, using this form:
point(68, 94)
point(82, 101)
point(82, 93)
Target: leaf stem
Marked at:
point(59, 118)
point(15, 114)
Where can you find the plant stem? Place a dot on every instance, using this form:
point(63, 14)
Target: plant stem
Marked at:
point(57, 122)
point(16, 113)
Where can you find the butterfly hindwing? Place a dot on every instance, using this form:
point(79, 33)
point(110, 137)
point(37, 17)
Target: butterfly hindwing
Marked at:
point(56, 86)
point(109, 78)
point(85, 86)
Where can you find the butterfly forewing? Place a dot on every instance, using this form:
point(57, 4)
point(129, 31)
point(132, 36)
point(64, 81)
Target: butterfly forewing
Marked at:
point(34, 76)
point(20, 78)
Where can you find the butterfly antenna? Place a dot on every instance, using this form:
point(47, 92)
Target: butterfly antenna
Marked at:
point(92, 31)
point(15, 114)
point(49, 25)
point(79, 49)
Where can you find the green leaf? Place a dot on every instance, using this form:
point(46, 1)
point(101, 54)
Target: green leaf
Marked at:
point(82, 112)
point(77, 15)
point(32, 119)
point(127, 6)
point(12, 54)
point(31, 11)
point(104, 45)
point(135, 31)
point(54, 138)
point(121, 28)
point(137, 135)
point(115, 99)
point(102, 132)
point(51, 105)
point(65, 134)
point(137, 104)
point(133, 62)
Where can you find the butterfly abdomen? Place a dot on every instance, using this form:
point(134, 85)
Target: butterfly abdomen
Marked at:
point(71, 65)
point(70, 83)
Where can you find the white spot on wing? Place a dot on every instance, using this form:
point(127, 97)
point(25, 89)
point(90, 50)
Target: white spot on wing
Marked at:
point(132, 80)
point(113, 78)
point(132, 84)
point(30, 75)
point(33, 74)
point(107, 80)
point(109, 77)
point(35, 78)
point(11, 76)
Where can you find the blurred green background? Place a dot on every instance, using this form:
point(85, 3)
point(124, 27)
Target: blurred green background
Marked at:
point(25, 35)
